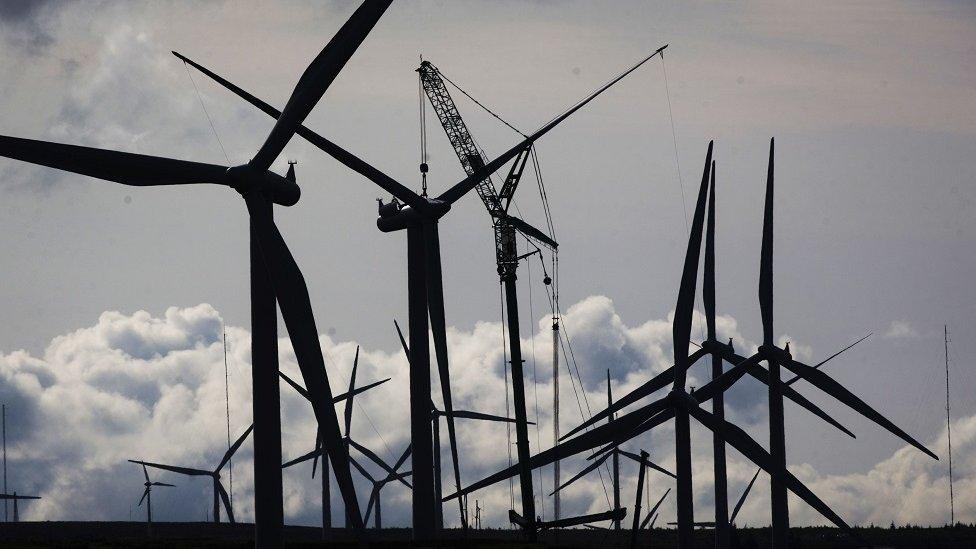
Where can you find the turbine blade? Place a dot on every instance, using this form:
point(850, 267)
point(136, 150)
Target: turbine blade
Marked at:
point(359, 390)
point(163, 484)
point(766, 256)
point(647, 462)
point(708, 277)
point(138, 170)
point(317, 79)
point(762, 375)
point(438, 328)
point(237, 444)
point(748, 447)
point(301, 390)
point(403, 342)
point(293, 301)
point(462, 187)
point(344, 157)
point(582, 473)
point(613, 514)
point(377, 460)
point(145, 472)
point(465, 414)
point(316, 452)
point(654, 509)
point(685, 306)
point(173, 468)
point(372, 500)
point(829, 358)
point(658, 382)
point(226, 500)
point(143, 498)
point(362, 470)
point(663, 414)
point(531, 232)
point(352, 387)
point(825, 383)
point(742, 498)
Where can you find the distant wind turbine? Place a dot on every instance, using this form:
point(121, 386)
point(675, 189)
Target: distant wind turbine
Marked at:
point(219, 492)
point(147, 495)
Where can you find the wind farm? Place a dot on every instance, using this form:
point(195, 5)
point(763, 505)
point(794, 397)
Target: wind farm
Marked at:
point(621, 383)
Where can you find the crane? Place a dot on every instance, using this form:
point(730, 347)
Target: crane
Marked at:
point(505, 227)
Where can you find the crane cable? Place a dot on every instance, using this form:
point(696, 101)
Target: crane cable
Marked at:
point(554, 301)
point(423, 132)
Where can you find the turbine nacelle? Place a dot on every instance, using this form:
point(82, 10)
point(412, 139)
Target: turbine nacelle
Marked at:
point(395, 217)
point(246, 179)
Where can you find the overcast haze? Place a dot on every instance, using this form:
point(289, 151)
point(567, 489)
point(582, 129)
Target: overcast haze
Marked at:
point(871, 105)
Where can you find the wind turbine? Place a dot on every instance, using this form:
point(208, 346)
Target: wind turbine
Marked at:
point(274, 273)
point(776, 358)
point(378, 484)
point(219, 492)
point(147, 495)
point(15, 499)
point(314, 454)
point(418, 216)
point(679, 404)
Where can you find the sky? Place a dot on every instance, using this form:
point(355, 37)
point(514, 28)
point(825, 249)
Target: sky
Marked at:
point(113, 296)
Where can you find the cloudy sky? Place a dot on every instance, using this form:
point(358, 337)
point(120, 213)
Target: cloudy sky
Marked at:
point(113, 297)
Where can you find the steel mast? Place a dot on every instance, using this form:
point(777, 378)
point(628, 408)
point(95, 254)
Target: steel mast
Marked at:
point(506, 256)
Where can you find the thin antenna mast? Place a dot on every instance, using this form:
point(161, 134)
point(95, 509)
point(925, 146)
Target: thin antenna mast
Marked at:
point(952, 503)
point(5, 461)
point(227, 406)
point(555, 410)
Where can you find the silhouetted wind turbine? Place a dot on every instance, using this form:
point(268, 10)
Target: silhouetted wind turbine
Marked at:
point(775, 358)
point(15, 498)
point(147, 495)
point(680, 405)
point(314, 454)
point(219, 492)
point(419, 216)
point(378, 484)
point(274, 273)
point(435, 417)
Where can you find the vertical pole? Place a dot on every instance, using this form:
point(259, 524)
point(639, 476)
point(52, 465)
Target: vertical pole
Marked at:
point(952, 503)
point(216, 503)
point(149, 510)
point(777, 451)
point(438, 488)
point(637, 504)
point(555, 412)
point(420, 428)
point(616, 459)
point(518, 395)
point(230, 463)
point(326, 499)
point(379, 509)
point(5, 461)
point(268, 513)
point(684, 495)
